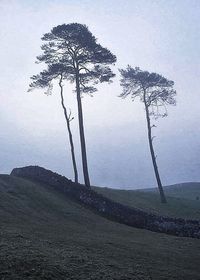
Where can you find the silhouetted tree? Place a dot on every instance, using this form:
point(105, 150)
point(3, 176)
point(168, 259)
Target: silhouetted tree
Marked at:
point(156, 92)
point(44, 80)
point(86, 63)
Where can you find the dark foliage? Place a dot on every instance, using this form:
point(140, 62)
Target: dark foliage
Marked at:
point(75, 48)
point(151, 88)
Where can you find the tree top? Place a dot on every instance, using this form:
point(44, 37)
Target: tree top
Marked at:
point(153, 89)
point(78, 42)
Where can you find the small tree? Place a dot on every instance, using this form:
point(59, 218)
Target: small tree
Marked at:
point(44, 80)
point(86, 61)
point(156, 92)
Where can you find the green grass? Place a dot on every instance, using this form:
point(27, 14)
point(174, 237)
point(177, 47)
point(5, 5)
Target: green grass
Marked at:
point(44, 235)
point(185, 190)
point(190, 190)
point(177, 206)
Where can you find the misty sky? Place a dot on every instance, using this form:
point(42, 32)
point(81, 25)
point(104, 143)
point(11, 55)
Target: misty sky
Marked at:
point(160, 36)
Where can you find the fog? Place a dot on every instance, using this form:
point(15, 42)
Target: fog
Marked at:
point(160, 36)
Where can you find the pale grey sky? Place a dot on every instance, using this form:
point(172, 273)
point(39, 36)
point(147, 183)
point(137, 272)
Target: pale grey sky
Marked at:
point(161, 36)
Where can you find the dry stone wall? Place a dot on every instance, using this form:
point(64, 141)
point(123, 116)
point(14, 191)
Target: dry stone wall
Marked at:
point(108, 208)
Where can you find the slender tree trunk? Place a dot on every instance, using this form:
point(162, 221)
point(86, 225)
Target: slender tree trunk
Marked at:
point(81, 132)
point(162, 194)
point(69, 132)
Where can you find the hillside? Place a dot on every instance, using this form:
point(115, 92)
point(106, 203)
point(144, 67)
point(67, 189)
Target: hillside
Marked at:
point(189, 190)
point(181, 199)
point(44, 235)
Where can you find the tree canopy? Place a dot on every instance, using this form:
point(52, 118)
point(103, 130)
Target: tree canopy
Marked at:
point(153, 89)
point(44, 78)
point(75, 48)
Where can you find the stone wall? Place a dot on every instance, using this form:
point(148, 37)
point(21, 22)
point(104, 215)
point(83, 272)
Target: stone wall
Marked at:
point(108, 208)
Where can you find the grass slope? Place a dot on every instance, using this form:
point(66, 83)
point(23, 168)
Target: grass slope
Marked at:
point(180, 200)
point(184, 190)
point(190, 190)
point(44, 235)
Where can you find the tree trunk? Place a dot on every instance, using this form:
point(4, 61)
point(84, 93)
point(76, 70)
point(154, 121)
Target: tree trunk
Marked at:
point(162, 194)
point(69, 132)
point(81, 132)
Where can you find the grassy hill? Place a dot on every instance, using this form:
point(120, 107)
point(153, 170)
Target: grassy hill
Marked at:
point(181, 199)
point(44, 235)
point(190, 190)
point(185, 190)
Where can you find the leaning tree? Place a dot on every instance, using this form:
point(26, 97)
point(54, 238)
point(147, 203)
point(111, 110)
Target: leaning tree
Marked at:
point(87, 62)
point(45, 80)
point(156, 92)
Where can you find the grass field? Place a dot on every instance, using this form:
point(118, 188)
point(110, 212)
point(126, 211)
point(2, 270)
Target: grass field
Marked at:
point(44, 235)
point(181, 202)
